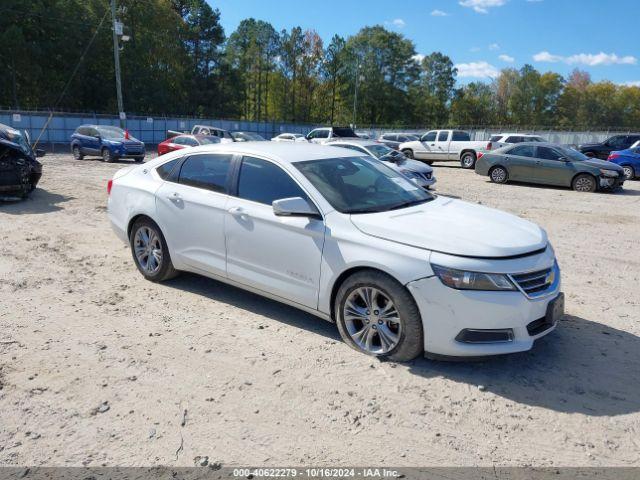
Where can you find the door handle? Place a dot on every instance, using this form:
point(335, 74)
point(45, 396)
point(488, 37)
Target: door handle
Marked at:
point(174, 196)
point(237, 211)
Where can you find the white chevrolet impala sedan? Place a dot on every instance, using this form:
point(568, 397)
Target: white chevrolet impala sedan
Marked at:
point(401, 271)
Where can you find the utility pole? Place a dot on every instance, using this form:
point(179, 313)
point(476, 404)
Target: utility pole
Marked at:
point(117, 30)
point(355, 96)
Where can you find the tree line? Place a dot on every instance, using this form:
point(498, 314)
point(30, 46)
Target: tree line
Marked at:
point(179, 61)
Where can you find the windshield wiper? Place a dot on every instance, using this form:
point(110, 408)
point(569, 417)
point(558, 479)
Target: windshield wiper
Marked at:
point(410, 203)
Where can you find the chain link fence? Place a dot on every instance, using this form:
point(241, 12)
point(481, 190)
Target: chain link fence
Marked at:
point(53, 129)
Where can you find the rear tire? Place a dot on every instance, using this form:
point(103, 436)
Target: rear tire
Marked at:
point(77, 153)
point(107, 156)
point(499, 175)
point(138, 159)
point(629, 172)
point(584, 183)
point(408, 153)
point(150, 251)
point(468, 160)
point(403, 336)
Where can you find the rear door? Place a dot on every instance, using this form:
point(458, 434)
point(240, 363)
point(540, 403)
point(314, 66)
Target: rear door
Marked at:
point(520, 162)
point(550, 167)
point(278, 255)
point(191, 208)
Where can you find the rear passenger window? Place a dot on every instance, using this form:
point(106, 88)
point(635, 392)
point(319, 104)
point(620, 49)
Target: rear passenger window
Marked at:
point(206, 171)
point(513, 139)
point(460, 137)
point(522, 151)
point(165, 169)
point(263, 182)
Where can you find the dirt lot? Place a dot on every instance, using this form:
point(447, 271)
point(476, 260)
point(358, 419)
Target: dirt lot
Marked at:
point(99, 367)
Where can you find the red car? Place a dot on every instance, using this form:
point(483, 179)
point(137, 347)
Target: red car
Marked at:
point(183, 141)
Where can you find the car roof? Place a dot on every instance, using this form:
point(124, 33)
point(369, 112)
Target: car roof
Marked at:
point(516, 134)
point(538, 144)
point(283, 152)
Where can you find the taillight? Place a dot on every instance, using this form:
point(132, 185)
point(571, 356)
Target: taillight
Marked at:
point(109, 186)
point(480, 154)
point(489, 146)
point(613, 155)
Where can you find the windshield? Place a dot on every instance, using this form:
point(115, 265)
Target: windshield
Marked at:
point(208, 140)
point(361, 185)
point(379, 151)
point(247, 136)
point(113, 133)
point(495, 138)
point(572, 154)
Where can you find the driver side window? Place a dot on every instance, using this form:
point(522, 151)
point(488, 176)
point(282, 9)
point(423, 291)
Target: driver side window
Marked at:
point(547, 153)
point(429, 137)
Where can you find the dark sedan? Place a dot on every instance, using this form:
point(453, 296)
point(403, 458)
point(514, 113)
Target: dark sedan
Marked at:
point(393, 140)
point(549, 164)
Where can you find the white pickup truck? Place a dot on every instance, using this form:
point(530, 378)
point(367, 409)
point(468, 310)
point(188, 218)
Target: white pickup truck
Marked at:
point(444, 146)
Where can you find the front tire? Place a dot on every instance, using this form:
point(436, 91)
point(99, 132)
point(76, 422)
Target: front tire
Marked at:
point(377, 316)
point(150, 251)
point(584, 183)
point(107, 156)
point(139, 159)
point(499, 175)
point(468, 160)
point(629, 172)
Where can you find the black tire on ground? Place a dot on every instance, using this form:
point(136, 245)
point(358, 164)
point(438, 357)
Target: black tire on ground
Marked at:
point(468, 160)
point(429, 162)
point(166, 270)
point(139, 159)
point(629, 172)
point(584, 183)
point(499, 174)
point(107, 156)
point(407, 153)
point(77, 154)
point(590, 154)
point(411, 342)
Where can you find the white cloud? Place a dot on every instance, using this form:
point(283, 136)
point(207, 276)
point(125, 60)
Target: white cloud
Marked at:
point(477, 70)
point(439, 13)
point(631, 83)
point(418, 57)
point(494, 46)
point(474, 49)
point(589, 59)
point(396, 22)
point(482, 6)
point(506, 58)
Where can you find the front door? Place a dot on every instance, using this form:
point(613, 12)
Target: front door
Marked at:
point(552, 168)
point(192, 211)
point(278, 255)
point(441, 151)
point(428, 147)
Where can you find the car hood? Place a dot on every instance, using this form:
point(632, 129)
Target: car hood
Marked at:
point(411, 165)
point(588, 145)
point(594, 162)
point(455, 227)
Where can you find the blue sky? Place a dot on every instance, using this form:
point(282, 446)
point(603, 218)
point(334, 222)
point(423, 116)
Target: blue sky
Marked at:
point(481, 36)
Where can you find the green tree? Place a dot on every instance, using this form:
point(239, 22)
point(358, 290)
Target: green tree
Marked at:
point(435, 89)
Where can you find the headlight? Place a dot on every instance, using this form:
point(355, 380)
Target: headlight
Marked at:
point(462, 280)
point(608, 173)
point(409, 174)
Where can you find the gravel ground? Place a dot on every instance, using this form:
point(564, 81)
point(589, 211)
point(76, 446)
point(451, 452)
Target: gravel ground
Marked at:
point(99, 367)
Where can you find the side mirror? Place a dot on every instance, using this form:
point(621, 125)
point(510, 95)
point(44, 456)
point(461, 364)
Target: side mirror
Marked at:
point(294, 207)
point(563, 159)
point(40, 152)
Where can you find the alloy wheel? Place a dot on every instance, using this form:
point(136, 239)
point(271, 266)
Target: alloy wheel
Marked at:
point(76, 153)
point(584, 184)
point(372, 320)
point(498, 175)
point(628, 173)
point(467, 161)
point(148, 249)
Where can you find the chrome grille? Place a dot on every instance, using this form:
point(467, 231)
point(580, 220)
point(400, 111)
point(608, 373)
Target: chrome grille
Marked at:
point(535, 283)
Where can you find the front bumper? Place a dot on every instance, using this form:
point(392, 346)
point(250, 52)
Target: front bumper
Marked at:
point(425, 182)
point(611, 183)
point(446, 314)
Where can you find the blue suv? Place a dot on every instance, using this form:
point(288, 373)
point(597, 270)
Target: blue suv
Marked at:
point(110, 143)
